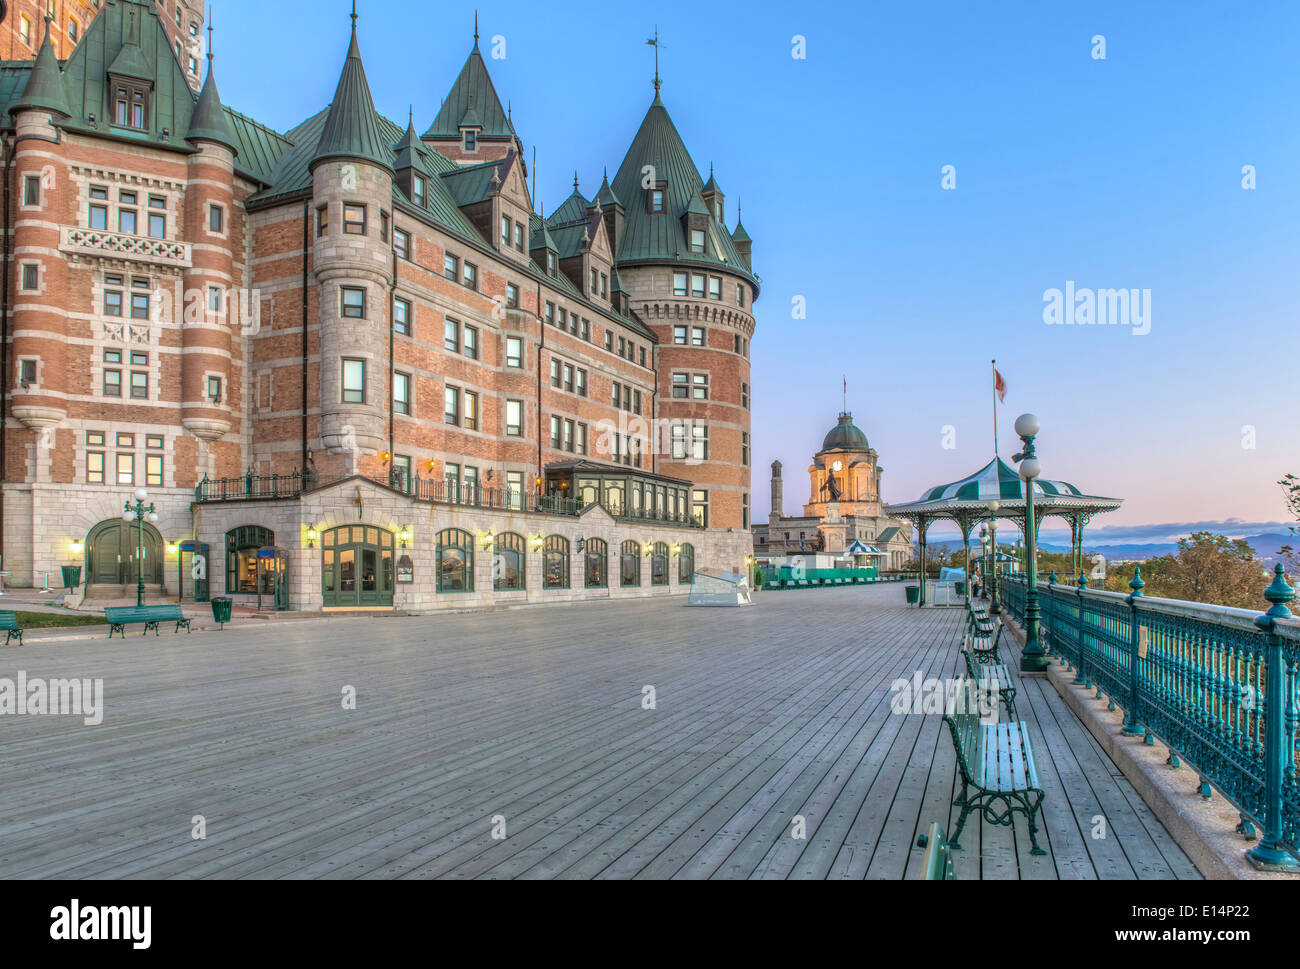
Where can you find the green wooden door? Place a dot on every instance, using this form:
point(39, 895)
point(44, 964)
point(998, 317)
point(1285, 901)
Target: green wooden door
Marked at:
point(357, 566)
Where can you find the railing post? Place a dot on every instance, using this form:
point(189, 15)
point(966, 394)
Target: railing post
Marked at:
point(1079, 678)
point(1269, 854)
point(1079, 590)
point(1132, 718)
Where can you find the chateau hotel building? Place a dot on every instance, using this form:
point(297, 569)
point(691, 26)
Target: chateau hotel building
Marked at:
point(350, 364)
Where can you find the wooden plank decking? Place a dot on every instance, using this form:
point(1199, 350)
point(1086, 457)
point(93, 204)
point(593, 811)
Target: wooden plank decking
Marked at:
point(536, 715)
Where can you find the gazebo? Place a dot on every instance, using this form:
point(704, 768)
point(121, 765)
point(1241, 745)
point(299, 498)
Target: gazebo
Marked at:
point(970, 501)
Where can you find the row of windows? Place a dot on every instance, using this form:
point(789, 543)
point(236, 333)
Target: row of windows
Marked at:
point(625, 397)
point(126, 464)
point(567, 377)
point(128, 206)
point(695, 284)
point(569, 322)
point(626, 348)
point(461, 408)
point(693, 386)
point(568, 435)
point(456, 550)
point(507, 234)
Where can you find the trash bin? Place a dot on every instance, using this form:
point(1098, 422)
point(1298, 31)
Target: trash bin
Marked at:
point(71, 576)
point(221, 610)
point(959, 588)
point(913, 594)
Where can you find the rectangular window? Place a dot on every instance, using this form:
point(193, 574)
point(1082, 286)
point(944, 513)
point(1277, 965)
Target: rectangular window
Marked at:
point(744, 448)
point(354, 220)
point(471, 342)
point(700, 442)
point(99, 217)
point(112, 383)
point(353, 303)
point(402, 316)
point(470, 422)
point(555, 433)
point(744, 396)
point(95, 438)
point(700, 508)
point(555, 372)
point(515, 418)
point(27, 372)
point(568, 436)
point(519, 237)
point(514, 351)
point(617, 397)
point(25, 29)
point(697, 240)
point(595, 276)
point(562, 321)
point(697, 336)
point(642, 361)
point(604, 285)
point(451, 335)
point(31, 276)
point(580, 384)
point(549, 313)
point(401, 393)
point(32, 190)
point(679, 336)
point(402, 244)
point(153, 441)
point(322, 220)
point(568, 377)
point(214, 393)
point(153, 469)
point(679, 284)
point(655, 200)
point(715, 287)
point(697, 285)
point(740, 294)
point(609, 340)
point(586, 329)
point(582, 438)
point(139, 306)
point(383, 226)
point(125, 440)
point(417, 190)
point(681, 386)
point(451, 406)
point(73, 29)
point(126, 469)
point(216, 218)
point(214, 299)
point(744, 511)
point(126, 221)
point(512, 296)
point(354, 381)
point(470, 277)
point(505, 230)
point(157, 225)
point(700, 386)
point(95, 466)
point(451, 267)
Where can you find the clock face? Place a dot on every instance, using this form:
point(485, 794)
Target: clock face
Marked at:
point(837, 466)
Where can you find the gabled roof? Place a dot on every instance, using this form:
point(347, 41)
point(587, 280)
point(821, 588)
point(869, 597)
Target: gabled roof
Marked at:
point(472, 100)
point(539, 236)
point(574, 209)
point(44, 87)
point(127, 36)
point(411, 152)
point(660, 237)
point(712, 184)
point(352, 128)
point(740, 235)
point(606, 196)
point(473, 183)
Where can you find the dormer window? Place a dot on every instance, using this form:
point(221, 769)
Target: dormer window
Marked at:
point(417, 189)
point(131, 105)
point(655, 200)
point(697, 240)
point(470, 142)
point(550, 263)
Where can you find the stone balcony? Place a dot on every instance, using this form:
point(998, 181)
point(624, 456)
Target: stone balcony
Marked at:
point(118, 246)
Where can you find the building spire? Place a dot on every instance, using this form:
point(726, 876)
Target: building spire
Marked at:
point(476, 30)
point(575, 180)
point(209, 38)
point(654, 42)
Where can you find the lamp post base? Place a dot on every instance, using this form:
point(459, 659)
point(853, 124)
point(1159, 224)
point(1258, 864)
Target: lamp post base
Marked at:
point(1264, 858)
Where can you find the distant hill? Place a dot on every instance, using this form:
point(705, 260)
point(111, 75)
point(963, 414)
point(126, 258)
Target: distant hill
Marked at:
point(1265, 546)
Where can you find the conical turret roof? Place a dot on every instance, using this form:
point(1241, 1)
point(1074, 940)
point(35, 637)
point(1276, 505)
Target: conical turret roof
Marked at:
point(209, 122)
point(45, 88)
point(352, 129)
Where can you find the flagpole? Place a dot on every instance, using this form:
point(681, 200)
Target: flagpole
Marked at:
point(994, 365)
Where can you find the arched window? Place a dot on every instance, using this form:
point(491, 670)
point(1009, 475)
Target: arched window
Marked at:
point(509, 564)
point(455, 560)
point(241, 556)
point(686, 564)
point(630, 565)
point(555, 563)
point(659, 564)
point(597, 563)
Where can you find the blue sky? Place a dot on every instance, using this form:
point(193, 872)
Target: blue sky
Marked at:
point(1117, 173)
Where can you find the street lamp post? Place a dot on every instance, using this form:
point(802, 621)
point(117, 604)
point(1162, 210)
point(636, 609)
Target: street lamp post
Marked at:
point(1032, 659)
point(138, 513)
point(994, 607)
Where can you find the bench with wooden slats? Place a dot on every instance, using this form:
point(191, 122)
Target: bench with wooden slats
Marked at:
point(936, 863)
point(9, 624)
point(996, 762)
point(120, 616)
point(991, 676)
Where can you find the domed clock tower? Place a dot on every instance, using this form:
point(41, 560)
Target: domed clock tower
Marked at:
point(845, 470)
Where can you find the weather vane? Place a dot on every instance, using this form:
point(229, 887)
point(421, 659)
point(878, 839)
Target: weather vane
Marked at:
point(654, 42)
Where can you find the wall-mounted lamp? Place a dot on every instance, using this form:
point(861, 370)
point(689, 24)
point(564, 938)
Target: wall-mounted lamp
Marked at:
point(538, 541)
point(91, 119)
point(485, 540)
point(432, 464)
point(404, 536)
point(311, 537)
point(172, 548)
point(76, 548)
point(648, 548)
point(385, 457)
point(677, 549)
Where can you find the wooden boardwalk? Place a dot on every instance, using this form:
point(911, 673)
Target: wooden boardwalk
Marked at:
point(536, 716)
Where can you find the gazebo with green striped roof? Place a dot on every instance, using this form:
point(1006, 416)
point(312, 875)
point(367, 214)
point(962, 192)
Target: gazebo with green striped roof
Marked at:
point(965, 503)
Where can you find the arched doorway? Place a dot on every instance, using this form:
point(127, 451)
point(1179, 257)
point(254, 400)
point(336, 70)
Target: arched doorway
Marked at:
point(111, 553)
point(357, 566)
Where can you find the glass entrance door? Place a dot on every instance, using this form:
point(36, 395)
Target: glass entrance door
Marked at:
point(357, 566)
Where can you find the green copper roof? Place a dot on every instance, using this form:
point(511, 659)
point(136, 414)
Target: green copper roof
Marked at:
point(352, 127)
point(474, 183)
point(740, 235)
point(45, 88)
point(411, 151)
point(661, 237)
point(208, 122)
point(539, 236)
point(712, 184)
point(128, 37)
point(606, 197)
point(845, 436)
point(574, 209)
point(258, 149)
point(472, 100)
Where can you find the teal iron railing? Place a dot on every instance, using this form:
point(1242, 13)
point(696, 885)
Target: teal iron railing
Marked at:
point(1218, 686)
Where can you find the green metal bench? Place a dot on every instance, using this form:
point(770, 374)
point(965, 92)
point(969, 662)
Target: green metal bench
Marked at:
point(996, 761)
point(989, 675)
point(9, 623)
point(936, 864)
point(120, 616)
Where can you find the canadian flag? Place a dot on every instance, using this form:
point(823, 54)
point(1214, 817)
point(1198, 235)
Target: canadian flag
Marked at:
point(1000, 386)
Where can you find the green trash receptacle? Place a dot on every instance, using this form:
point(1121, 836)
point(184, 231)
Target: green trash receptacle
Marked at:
point(71, 576)
point(221, 610)
point(913, 594)
point(959, 588)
